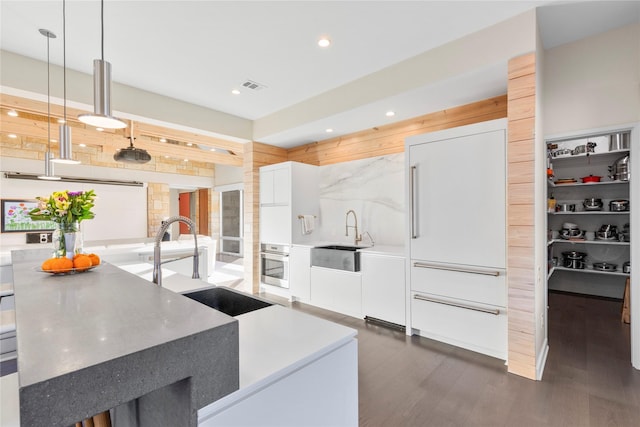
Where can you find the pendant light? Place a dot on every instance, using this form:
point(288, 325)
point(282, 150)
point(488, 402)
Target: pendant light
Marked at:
point(65, 130)
point(132, 154)
point(48, 166)
point(102, 90)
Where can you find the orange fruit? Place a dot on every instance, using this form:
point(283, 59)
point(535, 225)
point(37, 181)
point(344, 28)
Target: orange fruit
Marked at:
point(81, 262)
point(47, 264)
point(95, 259)
point(60, 265)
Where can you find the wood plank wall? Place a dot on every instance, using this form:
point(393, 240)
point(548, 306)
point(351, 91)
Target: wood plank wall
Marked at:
point(255, 155)
point(520, 216)
point(389, 139)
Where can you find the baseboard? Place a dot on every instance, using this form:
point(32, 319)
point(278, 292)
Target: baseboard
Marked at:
point(542, 360)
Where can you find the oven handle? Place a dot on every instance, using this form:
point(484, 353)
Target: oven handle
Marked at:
point(274, 257)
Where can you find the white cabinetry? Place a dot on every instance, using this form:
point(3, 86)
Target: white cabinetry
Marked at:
point(287, 190)
point(383, 287)
point(300, 273)
point(587, 280)
point(275, 186)
point(456, 234)
point(337, 290)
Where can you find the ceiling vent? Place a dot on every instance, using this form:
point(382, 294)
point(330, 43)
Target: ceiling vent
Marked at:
point(132, 154)
point(250, 84)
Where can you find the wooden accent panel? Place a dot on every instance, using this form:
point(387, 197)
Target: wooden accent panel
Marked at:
point(255, 155)
point(203, 211)
point(31, 124)
point(389, 139)
point(520, 216)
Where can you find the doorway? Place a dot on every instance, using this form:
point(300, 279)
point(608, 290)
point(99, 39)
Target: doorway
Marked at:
point(231, 214)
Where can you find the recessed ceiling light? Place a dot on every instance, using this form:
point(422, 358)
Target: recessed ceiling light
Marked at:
point(12, 135)
point(82, 145)
point(390, 113)
point(324, 42)
point(329, 130)
point(60, 121)
point(186, 160)
point(163, 139)
point(99, 129)
point(189, 144)
point(13, 113)
point(54, 140)
point(212, 149)
point(166, 157)
point(235, 92)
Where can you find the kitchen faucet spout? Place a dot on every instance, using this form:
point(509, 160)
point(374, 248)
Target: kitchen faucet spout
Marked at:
point(157, 270)
point(357, 238)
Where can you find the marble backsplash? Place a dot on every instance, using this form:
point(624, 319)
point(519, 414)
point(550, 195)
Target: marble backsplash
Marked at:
point(374, 189)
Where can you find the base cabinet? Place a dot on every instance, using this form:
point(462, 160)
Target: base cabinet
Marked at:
point(383, 287)
point(300, 273)
point(337, 290)
point(473, 326)
point(322, 393)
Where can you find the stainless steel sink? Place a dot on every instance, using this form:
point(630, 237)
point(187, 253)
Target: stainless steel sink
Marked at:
point(339, 257)
point(228, 301)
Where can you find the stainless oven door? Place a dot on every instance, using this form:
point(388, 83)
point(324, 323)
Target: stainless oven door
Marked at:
point(274, 269)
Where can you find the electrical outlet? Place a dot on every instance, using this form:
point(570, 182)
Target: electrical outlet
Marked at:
point(39, 237)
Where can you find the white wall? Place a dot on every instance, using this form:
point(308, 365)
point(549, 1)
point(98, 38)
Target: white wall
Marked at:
point(226, 175)
point(121, 212)
point(593, 83)
point(374, 189)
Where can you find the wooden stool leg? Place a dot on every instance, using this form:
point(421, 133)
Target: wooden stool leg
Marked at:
point(88, 422)
point(103, 419)
point(626, 309)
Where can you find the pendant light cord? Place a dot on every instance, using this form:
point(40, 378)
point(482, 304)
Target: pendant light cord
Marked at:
point(48, 98)
point(102, 28)
point(64, 57)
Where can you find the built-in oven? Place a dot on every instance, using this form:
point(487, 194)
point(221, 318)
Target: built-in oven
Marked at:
point(274, 265)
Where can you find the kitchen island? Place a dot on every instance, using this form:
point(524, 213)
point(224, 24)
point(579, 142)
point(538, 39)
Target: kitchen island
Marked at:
point(290, 368)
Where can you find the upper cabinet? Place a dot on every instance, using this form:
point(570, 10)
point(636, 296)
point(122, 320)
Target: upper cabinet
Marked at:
point(288, 191)
point(275, 186)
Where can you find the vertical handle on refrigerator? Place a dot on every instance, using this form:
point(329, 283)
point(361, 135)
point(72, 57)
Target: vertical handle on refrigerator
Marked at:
point(412, 201)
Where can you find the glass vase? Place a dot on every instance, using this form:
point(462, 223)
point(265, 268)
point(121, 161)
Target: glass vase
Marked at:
point(67, 239)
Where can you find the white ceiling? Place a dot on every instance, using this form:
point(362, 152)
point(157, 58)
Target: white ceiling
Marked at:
point(197, 51)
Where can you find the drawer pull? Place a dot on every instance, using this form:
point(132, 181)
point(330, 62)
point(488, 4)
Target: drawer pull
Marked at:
point(494, 273)
point(494, 311)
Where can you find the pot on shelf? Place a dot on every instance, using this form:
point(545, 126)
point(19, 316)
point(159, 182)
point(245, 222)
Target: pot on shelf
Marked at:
point(565, 207)
point(605, 266)
point(621, 169)
point(591, 178)
point(619, 141)
point(620, 205)
point(573, 259)
point(626, 267)
point(592, 204)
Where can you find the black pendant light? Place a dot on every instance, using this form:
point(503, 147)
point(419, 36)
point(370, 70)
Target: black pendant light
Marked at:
point(48, 156)
point(132, 154)
point(65, 130)
point(101, 116)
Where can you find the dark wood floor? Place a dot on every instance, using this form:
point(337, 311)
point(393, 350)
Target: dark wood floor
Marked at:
point(413, 381)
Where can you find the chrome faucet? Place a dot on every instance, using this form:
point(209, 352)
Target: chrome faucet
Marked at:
point(157, 271)
point(357, 238)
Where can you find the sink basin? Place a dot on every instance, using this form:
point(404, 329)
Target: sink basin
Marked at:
point(339, 257)
point(227, 301)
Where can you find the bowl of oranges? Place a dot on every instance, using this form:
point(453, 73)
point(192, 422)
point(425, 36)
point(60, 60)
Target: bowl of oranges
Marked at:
point(63, 265)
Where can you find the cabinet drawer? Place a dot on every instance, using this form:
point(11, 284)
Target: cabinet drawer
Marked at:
point(464, 327)
point(466, 286)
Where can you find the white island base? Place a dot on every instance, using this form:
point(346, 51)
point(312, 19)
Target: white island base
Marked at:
point(295, 370)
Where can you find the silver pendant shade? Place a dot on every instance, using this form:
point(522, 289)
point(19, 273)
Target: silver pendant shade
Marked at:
point(48, 166)
point(65, 130)
point(101, 116)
